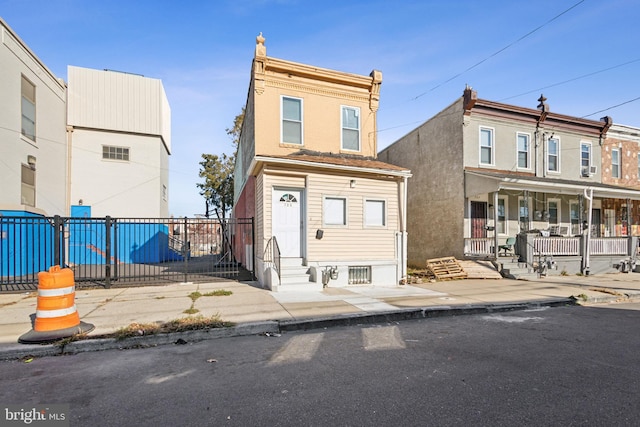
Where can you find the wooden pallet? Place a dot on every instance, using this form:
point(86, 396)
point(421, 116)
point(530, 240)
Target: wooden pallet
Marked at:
point(446, 268)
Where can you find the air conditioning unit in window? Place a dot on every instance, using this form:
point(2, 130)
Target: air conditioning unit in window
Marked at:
point(587, 171)
point(593, 170)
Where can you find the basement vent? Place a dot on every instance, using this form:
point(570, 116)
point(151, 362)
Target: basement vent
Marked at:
point(360, 275)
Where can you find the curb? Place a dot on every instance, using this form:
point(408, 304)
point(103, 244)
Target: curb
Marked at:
point(21, 351)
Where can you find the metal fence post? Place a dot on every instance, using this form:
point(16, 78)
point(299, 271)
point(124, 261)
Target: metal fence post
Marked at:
point(107, 250)
point(186, 251)
point(57, 226)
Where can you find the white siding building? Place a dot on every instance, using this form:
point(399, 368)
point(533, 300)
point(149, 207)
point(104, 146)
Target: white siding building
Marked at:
point(119, 130)
point(33, 160)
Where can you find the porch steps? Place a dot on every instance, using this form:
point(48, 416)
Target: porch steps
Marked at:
point(511, 268)
point(295, 277)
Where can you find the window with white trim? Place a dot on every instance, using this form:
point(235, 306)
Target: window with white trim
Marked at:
point(523, 150)
point(615, 162)
point(28, 109)
point(111, 152)
point(334, 211)
point(585, 158)
point(350, 120)
point(28, 185)
point(291, 121)
point(553, 155)
point(486, 146)
point(375, 213)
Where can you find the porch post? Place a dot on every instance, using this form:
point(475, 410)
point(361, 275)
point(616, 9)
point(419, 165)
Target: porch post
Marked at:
point(629, 234)
point(495, 224)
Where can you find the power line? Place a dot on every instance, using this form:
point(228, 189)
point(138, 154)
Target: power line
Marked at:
point(572, 79)
point(499, 51)
point(611, 108)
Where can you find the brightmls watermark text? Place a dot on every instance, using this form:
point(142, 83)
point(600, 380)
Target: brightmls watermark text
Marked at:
point(35, 415)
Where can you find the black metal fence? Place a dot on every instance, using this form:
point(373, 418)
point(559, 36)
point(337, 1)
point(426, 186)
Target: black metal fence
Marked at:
point(125, 251)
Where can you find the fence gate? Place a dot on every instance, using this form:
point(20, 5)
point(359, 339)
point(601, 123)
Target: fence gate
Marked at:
point(125, 251)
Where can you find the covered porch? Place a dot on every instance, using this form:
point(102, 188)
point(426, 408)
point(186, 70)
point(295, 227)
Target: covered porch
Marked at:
point(535, 219)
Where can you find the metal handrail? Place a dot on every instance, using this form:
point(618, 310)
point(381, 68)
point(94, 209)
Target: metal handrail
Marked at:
point(272, 255)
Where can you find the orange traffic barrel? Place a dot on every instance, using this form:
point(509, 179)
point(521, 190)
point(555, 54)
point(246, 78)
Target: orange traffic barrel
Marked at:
point(56, 313)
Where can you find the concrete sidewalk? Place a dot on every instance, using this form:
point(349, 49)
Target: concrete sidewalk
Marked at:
point(256, 310)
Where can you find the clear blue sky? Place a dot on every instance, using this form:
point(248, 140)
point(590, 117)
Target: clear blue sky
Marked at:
point(583, 55)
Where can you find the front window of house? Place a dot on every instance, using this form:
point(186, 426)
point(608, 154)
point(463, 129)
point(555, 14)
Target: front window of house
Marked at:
point(553, 210)
point(291, 120)
point(374, 213)
point(334, 211)
point(615, 163)
point(523, 151)
point(486, 146)
point(585, 158)
point(350, 128)
point(553, 155)
point(28, 108)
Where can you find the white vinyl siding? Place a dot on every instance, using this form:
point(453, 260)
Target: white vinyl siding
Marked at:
point(350, 120)
point(486, 146)
point(291, 121)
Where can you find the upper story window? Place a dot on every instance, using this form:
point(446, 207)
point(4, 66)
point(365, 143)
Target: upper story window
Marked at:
point(553, 155)
point(111, 152)
point(350, 128)
point(638, 165)
point(523, 151)
point(28, 108)
point(291, 120)
point(615, 162)
point(585, 158)
point(486, 146)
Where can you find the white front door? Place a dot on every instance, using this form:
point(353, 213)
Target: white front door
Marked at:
point(286, 221)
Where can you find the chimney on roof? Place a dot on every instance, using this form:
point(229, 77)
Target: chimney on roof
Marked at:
point(469, 99)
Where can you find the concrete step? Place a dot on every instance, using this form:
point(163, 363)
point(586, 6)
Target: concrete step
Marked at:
point(290, 262)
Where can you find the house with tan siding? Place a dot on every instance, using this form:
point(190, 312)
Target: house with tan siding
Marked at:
point(327, 211)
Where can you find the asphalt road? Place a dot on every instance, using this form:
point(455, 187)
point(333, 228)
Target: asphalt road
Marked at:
point(558, 366)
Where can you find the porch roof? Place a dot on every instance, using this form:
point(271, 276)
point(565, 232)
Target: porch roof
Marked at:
point(337, 161)
point(481, 182)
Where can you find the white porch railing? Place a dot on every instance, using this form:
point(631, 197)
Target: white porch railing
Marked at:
point(557, 245)
point(608, 246)
point(478, 246)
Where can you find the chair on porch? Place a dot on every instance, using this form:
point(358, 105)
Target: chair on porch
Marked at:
point(508, 246)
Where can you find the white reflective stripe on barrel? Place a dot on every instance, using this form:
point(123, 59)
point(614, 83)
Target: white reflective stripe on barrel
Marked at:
point(56, 313)
point(56, 292)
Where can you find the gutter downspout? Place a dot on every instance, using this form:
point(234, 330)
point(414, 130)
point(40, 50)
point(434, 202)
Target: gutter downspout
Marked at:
point(403, 266)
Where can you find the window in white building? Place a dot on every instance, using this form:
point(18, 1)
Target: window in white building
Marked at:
point(28, 185)
point(28, 108)
point(110, 152)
